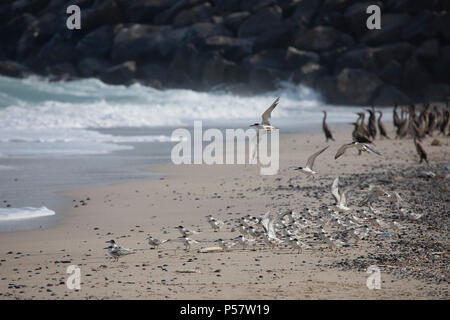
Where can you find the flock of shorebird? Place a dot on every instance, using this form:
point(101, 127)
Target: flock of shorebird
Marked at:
point(338, 225)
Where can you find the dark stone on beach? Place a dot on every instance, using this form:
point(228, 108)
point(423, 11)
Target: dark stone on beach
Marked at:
point(62, 72)
point(320, 38)
point(437, 92)
point(419, 28)
point(144, 11)
point(234, 20)
point(166, 16)
point(305, 11)
point(414, 77)
point(102, 13)
point(252, 26)
point(389, 95)
point(98, 42)
point(200, 13)
point(442, 66)
point(219, 70)
point(391, 28)
point(272, 58)
point(428, 52)
point(357, 86)
point(297, 58)
point(355, 17)
point(232, 48)
point(123, 73)
point(12, 69)
point(392, 73)
point(309, 74)
point(442, 24)
point(92, 66)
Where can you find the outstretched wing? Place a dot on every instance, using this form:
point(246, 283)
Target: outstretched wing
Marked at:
point(265, 221)
point(372, 149)
point(310, 162)
point(342, 149)
point(267, 114)
point(335, 190)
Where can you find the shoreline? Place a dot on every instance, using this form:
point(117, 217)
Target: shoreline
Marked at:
point(128, 211)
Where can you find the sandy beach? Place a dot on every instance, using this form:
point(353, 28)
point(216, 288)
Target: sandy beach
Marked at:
point(413, 261)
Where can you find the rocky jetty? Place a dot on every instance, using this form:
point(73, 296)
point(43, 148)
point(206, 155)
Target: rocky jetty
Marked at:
point(246, 46)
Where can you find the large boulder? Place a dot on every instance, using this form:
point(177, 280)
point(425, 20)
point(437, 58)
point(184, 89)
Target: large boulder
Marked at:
point(223, 7)
point(357, 86)
point(123, 73)
point(280, 36)
point(200, 13)
point(234, 20)
point(305, 11)
point(12, 69)
point(253, 26)
point(415, 77)
point(363, 58)
point(309, 74)
point(36, 34)
point(437, 92)
point(166, 16)
point(232, 48)
point(298, 58)
point(356, 17)
point(99, 42)
point(219, 70)
point(420, 28)
point(144, 11)
point(391, 29)
point(389, 95)
point(428, 52)
point(138, 41)
point(13, 30)
point(104, 12)
point(392, 73)
point(90, 67)
point(271, 58)
point(265, 79)
point(442, 24)
point(320, 38)
point(442, 66)
point(255, 5)
point(412, 6)
point(62, 72)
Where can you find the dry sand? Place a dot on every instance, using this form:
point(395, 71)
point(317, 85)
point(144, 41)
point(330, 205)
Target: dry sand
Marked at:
point(33, 263)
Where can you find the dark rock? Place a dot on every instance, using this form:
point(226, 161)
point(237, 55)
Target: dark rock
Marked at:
point(392, 73)
point(5, 12)
point(411, 6)
point(92, 66)
point(327, 87)
point(389, 95)
point(357, 59)
point(36, 34)
point(137, 41)
point(57, 50)
point(280, 36)
point(356, 17)
point(144, 11)
point(442, 66)
point(442, 24)
point(255, 5)
point(123, 73)
point(219, 71)
point(436, 92)
point(185, 66)
point(12, 69)
point(337, 5)
point(200, 13)
point(415, 77)
point(264, 79)
point(98, 42)
point(151, 73)
point(22, 6)
point(309, 74)
point(105, 12)
point(226, 6)
point(320, 38)
point(13, 30)
point(167, 16)
point(272, 58)
point(270, 16)
point(419, 28)
point(61, 72)
point(234, 20)
point(232, 48)
point(428, 52)
point(397, 51)
point(297, 58)
point(305, 11)
point(391, 28)
point(357, 86)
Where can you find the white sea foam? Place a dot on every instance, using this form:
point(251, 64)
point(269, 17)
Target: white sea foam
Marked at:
point(11, 214)
point(56, 117)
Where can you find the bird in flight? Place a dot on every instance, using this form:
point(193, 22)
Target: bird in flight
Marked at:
point(308, 169)
point(358, 146)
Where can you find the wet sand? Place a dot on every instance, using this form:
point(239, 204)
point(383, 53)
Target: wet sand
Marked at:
point(413, 262)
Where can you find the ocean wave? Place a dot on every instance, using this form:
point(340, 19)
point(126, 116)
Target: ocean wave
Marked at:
point(11, 214)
